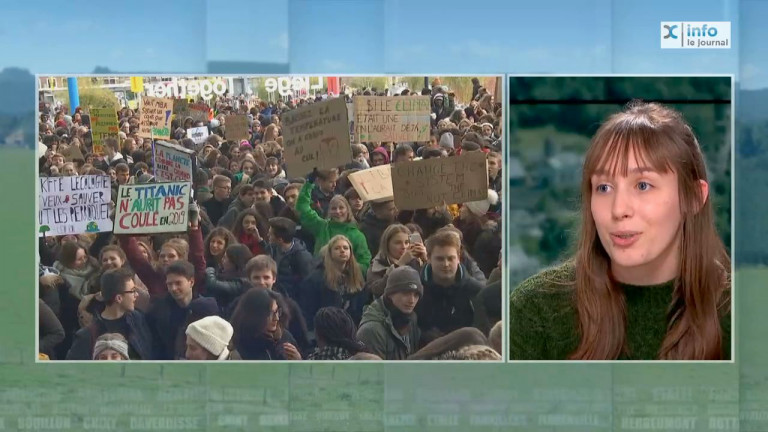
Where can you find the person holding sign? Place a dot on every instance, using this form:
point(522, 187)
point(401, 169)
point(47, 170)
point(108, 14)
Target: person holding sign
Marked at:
point(651, 278)
point(340, 221)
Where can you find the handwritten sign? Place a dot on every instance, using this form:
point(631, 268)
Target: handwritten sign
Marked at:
point(155, 117)
point(152, 208)
point(429, 183)
point(74, 205)
point(198, 135)
point(198, 112)
point(173, 163)
point(390, 118)
point(316, 135)
point(105, 125)
point(236, 127)
point(373, 184)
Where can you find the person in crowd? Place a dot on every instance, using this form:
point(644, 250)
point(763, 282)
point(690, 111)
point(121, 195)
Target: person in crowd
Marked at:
point(246, 196)
point(229, 281)
point(337, 281)
point(449, 291)
point(294, 262)
point(340, 222)
point(650, 278)
point(119, 316)
point(217, 206)
point(258, 333)
point(324, 182)
point(389, 326)
point(381, 215)
point(250, 229)
point(111, 347)
point(50, 331)
point(208, 339)
point(77, 267)
point(395, 250)
point(336, 335)
point(218, 240)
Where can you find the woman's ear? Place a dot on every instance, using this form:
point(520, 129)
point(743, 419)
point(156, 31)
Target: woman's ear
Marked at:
point(703, 194)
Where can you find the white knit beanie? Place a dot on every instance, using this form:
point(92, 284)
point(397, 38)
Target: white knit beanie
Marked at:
point(481, 207)
point(212, 333)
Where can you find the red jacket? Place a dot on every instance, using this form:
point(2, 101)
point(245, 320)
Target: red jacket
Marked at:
point(253, 244)
point(154, 278)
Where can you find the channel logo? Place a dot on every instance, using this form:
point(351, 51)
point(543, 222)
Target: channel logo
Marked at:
point(696, 34)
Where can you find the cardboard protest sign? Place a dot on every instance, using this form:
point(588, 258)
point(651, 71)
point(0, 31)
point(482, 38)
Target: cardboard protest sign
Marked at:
point(72, 153)
point(152, 208)
point(373, 184)
point(173, 163)
point(390, 118)
point(198, 112)
point(432, 182)
point(181, 109)
point(236, 127)
point(316, 135)
point(198, 135)
point(155, 117)
point(74, 205)
point(105, 125)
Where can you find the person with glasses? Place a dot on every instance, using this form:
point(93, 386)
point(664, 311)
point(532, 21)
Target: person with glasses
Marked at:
point(217, 206)
point(259, 332)
point(119, 316)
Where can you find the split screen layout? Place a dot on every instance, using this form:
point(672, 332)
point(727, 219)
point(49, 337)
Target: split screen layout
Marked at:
point(384, 218)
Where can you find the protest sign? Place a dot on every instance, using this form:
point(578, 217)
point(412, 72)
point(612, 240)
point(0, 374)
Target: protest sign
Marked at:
point(198, 112)
point(155, 117)
point(152, 208)
point(316, 135)
point(173, 163)
point(373, 184)
point(74, 205)
point(105, 125)
point(390, 118)
point(198, 135)
point(432, 182)
point(236, 127)
point(181, 110)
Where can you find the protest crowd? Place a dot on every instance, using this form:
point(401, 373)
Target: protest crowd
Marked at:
point(270, 263)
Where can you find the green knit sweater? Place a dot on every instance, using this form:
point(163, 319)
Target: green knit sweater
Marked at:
point(543, 320)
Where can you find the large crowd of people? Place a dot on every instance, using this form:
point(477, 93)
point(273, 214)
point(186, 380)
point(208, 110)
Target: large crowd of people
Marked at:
point(277, 265)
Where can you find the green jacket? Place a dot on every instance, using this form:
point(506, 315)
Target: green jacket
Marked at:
point(543, 319)
point(380, 337)
point(324, 229)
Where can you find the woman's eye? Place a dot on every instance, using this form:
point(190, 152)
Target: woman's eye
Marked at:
point(643, 186)
point(602, 188)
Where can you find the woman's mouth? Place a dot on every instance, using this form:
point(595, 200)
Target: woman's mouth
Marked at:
point(624, 239)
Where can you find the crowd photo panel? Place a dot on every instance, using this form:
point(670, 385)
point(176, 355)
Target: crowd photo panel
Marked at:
point(302, 218)
point(620, 218)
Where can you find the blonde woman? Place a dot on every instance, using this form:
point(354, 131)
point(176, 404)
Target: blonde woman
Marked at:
point(337, 281)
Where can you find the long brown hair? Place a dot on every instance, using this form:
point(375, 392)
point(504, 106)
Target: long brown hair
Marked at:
point(660, 138)
point(351, 275)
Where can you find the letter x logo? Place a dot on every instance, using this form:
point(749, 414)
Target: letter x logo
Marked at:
point(670, 32)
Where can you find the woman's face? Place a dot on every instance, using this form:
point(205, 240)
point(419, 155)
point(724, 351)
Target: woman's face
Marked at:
point(81, 257)
point(377, 159)
point(89, 160)
point(341, 251)
point(249, 225)
point(638, 220)
point(274, 317)
point(144, 252)
point(272, 169)
point(68, 169)
point(338, 212)
point(235, 153)
point(110, 355)
point(112, 174)
point(248, 168)
point(217, 246)
point(226, 264)
point(168, 255)
point(111, 260)
point(195, 351)
point(234, 166)
point(398, 244)
point(207, 151)
point(356, 203)
point(487, 130)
